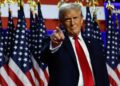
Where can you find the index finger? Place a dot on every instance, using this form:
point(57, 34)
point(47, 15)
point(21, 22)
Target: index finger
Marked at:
point(58, 30)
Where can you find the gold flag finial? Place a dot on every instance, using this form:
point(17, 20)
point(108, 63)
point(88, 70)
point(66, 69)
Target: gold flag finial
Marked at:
point(79, 2)
point(95, 2)
point(109, 6)
point(20, 2)
point(9, 2)
point(1, 3)
point(88, 3)
point(92, 2)
point(61, 2)
point(33, 5)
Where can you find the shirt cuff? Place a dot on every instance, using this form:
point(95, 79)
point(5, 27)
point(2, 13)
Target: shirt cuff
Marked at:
point(55, 49)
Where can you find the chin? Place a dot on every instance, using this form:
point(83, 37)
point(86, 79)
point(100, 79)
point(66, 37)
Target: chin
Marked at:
point(74, 34)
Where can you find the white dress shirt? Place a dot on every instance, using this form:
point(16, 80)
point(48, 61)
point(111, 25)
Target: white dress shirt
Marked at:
point(81, 41)
point(84, 47)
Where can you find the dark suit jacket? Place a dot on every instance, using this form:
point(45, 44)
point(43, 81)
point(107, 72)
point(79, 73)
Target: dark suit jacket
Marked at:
point(63, 67)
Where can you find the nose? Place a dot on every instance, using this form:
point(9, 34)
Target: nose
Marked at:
point(72, 22)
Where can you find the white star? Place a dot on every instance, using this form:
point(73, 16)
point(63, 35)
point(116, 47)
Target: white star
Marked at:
point(21, 47)
point(108, 52)
point(26, 54)
point(113, 52)
point(26, 48)
point(1, 48)
point(16, 41)
point(20, 53)
point(109, 16)
point(88, 34)
point(109, 26)
point(35, 52)
point(24, 65)
point(22, 42)
point(14, 53)
point(113, 62)
point(113, 47)
point(39, 52)
point(109, 37)
point(23, 31)
point(0, 59)
point(1, 54)
point(22, 36)
point(25, 59)
point(108, 42)
point(88, 24)
point(108, 57)
point(19, 20)
point(19, 59)
point(40, 41)
point(15, 47)
point(2, 38)
point(113, 57)
point(109, 21)
point(18, 25)
point(5, 43)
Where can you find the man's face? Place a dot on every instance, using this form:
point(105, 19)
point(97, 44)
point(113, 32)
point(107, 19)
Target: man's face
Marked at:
point(72, 21)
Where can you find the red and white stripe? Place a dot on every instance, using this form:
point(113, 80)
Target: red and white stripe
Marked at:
point(114, 75)
point(18, 76)
point(50, 13)
point(41, 76)
point(5, 80)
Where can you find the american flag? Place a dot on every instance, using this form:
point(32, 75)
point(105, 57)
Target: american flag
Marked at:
point(8, 37)
point(96, 30)
point(20, 63)
point(96, 33)
point(88, 27)
point(38, 34)
point(112, 55)
point(4, 77)
point(92, 29)
point(36, 51)
point(118, 35)
point(42, 35)
point(3, 66)
point(23, 66)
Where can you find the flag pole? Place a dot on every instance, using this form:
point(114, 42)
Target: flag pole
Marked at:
point(117, 21)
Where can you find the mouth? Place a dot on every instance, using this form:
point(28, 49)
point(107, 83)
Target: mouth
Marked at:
point(73, 28)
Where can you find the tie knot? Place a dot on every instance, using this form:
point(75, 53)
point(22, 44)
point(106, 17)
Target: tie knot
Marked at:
point(75, 38)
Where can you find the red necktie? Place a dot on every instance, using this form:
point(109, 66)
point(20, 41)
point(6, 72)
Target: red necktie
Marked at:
point(87, 73)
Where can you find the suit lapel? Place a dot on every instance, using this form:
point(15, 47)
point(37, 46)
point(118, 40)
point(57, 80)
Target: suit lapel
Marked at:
point(89, 46)
point(69, 49)
point(93, 59)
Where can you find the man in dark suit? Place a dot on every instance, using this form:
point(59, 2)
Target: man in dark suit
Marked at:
point(63, 53)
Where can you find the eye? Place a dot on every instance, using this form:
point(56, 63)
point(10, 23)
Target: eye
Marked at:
point(67, 19)
point(75, 17)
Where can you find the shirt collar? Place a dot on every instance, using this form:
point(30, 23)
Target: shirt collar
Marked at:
point(79, 36)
